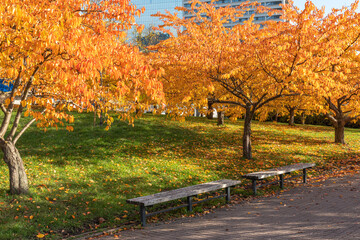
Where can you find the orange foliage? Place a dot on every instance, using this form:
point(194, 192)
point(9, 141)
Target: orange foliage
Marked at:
point(54, 51)
point(245, 68)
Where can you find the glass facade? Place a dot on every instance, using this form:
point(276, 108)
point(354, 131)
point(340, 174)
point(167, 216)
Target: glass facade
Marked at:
point(258, 18)
point(152, 7)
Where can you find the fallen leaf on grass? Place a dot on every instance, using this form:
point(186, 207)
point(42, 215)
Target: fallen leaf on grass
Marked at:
point(40, 235)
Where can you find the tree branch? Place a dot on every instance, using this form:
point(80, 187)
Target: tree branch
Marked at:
point(268, 72)
point(228, 102)
point(3, 108)
point(331, 118)
point(9, 110)
point(276, 97)
point(235, 90)
point(332, 106)
point(25, 128)
point(352, 43)
point(23, 98)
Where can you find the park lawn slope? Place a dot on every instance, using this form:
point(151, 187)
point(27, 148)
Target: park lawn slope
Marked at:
point(80, 180)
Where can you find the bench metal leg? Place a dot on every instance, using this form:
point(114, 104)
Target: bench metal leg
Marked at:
point(304, 176)
point(143, 215)
point(281, 181)
point(254, 186)
point(189, 200)
point(228, 197)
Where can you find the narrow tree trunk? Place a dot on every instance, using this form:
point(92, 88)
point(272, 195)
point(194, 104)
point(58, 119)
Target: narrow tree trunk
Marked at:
point(18, 178)
point(276, 115)
point(247, 134)
point(220, 118)
point(197, 113)
point(292, 117)
point(94, 122)
point(101, 118)
point(303, 118)
point(340, 132)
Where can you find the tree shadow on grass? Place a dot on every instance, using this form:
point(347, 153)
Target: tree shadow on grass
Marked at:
point(94, 145)
point(269, 137)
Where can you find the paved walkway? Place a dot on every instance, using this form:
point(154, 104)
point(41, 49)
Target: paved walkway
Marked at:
point(328, 210)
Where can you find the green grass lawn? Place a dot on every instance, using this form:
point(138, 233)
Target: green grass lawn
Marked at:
point(78, 177)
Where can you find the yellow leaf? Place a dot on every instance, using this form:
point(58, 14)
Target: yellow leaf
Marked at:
point(40, 235)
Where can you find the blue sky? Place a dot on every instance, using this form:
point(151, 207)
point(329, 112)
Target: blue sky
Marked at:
point(329, 4)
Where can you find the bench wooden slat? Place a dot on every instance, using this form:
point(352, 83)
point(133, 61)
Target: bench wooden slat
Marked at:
point(278, 171)
point(182, 192)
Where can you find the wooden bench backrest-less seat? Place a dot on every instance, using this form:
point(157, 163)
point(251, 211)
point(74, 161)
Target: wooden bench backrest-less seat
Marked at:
point(281, 171)
point(186, 192)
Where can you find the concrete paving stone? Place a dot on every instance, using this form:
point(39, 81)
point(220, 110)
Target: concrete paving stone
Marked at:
point(326, 210)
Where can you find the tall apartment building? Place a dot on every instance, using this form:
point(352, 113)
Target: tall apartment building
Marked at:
point(258, 18)
point(154, 6)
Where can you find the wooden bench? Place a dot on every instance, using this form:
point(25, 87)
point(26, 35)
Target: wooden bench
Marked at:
point(187, 192)
point(281, 171)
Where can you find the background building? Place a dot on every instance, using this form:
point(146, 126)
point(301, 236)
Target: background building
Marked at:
point(274, 4)
point(152, 7)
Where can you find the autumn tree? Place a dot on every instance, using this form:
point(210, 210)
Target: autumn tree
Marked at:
point(335, 76)
point(331, 76)
point(51, 52)
point(246, 66)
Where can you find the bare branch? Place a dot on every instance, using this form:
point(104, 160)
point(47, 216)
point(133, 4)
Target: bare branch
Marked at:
point(332, 106)
point(3, 108)
point(23, 98)
point(331, 118)
point(25, 128)
point(9, 110)
point(236, 91)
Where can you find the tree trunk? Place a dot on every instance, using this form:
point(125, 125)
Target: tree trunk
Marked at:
point(101, 118)
point(210, 114)
point(94, 122)
point(340, 132)
point(18, 178)
point(276, 115)
point(292, 117)
point(247, 134)
point(303, 118)
point(197, 113)
point(220, 118)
